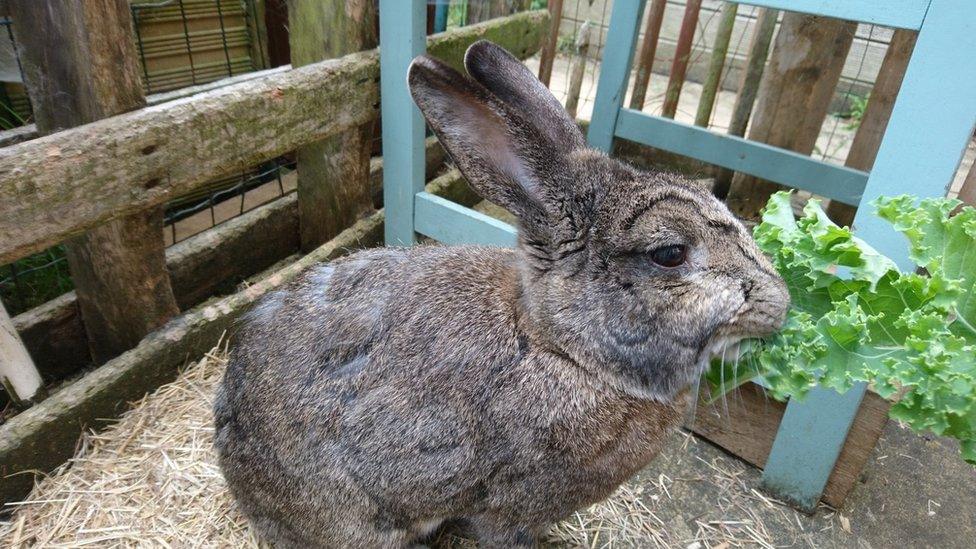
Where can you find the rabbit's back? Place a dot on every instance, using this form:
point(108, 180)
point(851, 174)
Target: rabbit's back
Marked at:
point(374, 370)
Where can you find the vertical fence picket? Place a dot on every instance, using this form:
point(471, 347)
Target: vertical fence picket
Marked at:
point(794, 95)
point(713, 78)
point(682, 55)
point(748, 88)
point(548, 55)
point(402, 25)
point(864, 148)
point(645, 61)
point(578, 68)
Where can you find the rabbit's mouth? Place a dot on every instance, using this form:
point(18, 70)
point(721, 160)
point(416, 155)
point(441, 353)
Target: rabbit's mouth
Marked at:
point(723, 347)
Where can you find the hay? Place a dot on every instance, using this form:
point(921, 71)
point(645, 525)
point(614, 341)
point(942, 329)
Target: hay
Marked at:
point(152, 480)
point(149, 480)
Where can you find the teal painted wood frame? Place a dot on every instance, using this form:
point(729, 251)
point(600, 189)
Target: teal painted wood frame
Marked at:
point(930, 125)
point(403, 36)
point(452, 223)
point(409, 210)
point(903, 14)
point(739, 154)
point(440, 15)
point(932, 120)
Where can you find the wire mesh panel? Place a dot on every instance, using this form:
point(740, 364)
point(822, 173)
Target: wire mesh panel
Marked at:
point(188, 42)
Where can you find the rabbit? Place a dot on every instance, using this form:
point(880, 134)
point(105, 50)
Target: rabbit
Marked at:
point(389, 392)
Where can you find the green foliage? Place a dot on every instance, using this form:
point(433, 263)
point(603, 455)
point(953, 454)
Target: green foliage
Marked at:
point(9, 119)
point(856, 318)
point(856, 113)
point(33, 280)
point(566, 44)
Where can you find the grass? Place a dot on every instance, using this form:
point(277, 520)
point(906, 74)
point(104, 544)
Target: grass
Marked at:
point(33, 280)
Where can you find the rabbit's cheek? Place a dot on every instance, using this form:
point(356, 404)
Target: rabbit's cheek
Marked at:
point(628, 324)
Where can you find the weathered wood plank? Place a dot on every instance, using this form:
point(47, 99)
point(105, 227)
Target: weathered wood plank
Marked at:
point(81, 69)
point(748, 89)
point(804, 67)
point(548, 55)
point(29, 131)
point(645, 60)
point(44, 436)
point(18, 375)
point(682, 55)
point(211, 262)
point(968, 191)
point(333, 174)
point(745, 423)
point(57, 186)
point(867, 140)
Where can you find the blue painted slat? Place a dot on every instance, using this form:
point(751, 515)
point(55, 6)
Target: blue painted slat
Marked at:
point(440, 15)
point(451, 223)
point(931, 122)
point(618, 55)
point(751, 157)
point(403, 25)
point(905, 14)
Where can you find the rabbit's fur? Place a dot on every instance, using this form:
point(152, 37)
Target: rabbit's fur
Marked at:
point(384, 393)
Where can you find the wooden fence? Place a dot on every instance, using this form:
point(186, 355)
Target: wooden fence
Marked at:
point(87, 177)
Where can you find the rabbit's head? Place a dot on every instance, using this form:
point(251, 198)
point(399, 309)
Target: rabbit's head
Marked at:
point(638, 276)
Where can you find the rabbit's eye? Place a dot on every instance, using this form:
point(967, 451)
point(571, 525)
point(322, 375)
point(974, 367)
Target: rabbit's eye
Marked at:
point(670, 256)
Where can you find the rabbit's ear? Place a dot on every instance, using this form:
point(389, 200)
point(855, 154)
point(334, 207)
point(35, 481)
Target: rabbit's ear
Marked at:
point(505, 159)
point(514, 84)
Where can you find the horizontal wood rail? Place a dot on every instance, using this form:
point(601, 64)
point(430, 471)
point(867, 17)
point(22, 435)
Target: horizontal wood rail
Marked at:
point(57, 186)
point(451, 223)
point(205, 264)
point(742, 155)
point(45, 435)
point(903, 14)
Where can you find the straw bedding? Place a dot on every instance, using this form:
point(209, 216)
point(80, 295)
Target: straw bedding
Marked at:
point(152, 480)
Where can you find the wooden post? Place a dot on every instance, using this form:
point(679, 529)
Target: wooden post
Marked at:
point(682, 54)
point(483, 10)
point(18, 375)
point(578, 69)
point(645, 62)
point(333, 175)
point(968, 191)
point(548, 55)
point(258, 32)
point(795, 93)
point(748, 88)
point(82, 68)
point(721, 48)
point(868, 138)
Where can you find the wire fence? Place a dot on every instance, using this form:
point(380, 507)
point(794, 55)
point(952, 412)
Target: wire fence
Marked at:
point(850, 97)
point(180, 43)
point(188, 42)
point(183, 43)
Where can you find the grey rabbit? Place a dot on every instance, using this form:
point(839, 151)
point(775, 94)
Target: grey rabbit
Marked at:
point(386, 393)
